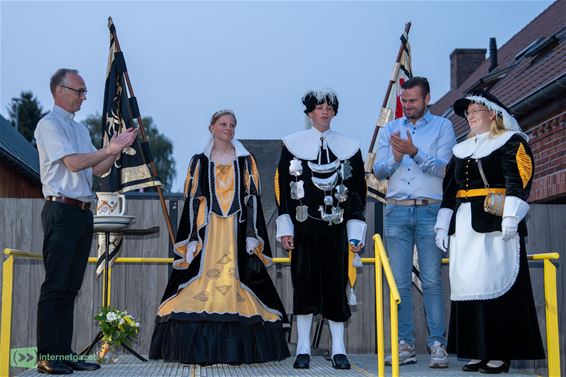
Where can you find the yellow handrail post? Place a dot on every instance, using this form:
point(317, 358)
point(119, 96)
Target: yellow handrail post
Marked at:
point(394, 336)
point(552, 334)
point(394, 301)
point(6, 335)
point(379, 330)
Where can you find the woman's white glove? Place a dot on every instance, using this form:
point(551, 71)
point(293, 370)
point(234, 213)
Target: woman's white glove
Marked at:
point(509, 227)
point(442, 239)
point(251, 244)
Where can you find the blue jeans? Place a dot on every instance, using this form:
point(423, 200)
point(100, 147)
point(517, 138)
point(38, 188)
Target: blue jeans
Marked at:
point(405, 227)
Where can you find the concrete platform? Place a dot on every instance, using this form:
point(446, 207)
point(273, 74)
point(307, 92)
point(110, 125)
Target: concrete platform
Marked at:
point(362, 365)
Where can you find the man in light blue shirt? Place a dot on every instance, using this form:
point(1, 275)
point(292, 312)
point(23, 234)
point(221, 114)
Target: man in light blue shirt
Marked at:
point(413, 152)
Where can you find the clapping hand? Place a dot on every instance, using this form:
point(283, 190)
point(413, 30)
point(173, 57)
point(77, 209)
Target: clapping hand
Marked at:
point(123, 140)
point(401, 146)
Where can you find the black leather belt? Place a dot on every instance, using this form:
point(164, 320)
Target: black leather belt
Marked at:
point(72, 202)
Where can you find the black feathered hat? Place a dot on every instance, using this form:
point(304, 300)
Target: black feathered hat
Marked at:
point(487, 99)
point(316, 97)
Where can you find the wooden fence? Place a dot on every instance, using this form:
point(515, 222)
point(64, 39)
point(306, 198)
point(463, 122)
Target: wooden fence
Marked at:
point(138, 288)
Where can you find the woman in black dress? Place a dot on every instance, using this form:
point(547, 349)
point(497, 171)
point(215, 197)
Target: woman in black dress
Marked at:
point(493, 318)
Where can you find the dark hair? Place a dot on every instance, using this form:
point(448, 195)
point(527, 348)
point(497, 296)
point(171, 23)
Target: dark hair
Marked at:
point(417, 81)
point(316, 97)
point(220, 113)
point(58, 78)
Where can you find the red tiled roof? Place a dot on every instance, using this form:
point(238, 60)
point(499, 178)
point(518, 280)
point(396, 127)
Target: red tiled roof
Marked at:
point(525, 74)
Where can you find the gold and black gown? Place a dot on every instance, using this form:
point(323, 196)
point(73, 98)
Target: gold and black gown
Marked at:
point(220, 305)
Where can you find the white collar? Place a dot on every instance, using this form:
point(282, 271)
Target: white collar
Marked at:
point(305, 144)
point(483, 144)
point(238, 147)
point(62, 112)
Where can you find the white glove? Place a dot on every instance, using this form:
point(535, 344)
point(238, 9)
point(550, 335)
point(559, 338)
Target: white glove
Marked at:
point(442, 240)
point(251, 244)
point(509, 227)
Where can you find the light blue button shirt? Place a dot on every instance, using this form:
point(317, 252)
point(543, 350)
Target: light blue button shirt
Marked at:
point(57, 136)
point(419, 177)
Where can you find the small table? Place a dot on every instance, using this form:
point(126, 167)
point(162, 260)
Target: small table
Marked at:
point(105, 294)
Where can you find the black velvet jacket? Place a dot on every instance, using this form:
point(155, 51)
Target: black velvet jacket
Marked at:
point(353, 207)
point(502, 169)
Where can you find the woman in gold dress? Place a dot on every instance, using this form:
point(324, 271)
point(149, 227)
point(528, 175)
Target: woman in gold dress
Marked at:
point(220, 305)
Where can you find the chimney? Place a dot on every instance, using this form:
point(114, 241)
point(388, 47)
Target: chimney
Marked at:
point(463, 62)
point(492, 54)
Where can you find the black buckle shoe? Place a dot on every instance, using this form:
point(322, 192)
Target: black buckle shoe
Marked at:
point(340, 361)
point(486, 369)
point(76, 362)
point(474, 367)
point(53, 367)
point(302, 361)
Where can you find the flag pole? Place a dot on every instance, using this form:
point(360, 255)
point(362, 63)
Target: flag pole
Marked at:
point(404, 40)
point(144, 138)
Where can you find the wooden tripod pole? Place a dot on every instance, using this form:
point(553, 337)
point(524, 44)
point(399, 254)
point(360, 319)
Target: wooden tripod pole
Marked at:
point(144, 138)
point(391, 83)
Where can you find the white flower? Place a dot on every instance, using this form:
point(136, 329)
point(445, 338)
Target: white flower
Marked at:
point(111, 316)
point(121, 321)
point(137, 324)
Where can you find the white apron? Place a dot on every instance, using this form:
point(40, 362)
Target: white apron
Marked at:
point(482, 265)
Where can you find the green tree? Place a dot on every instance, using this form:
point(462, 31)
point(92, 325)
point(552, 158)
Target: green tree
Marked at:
point(24, 113)
point(161, 147)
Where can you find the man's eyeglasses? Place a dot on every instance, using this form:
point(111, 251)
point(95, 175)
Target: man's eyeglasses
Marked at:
point(472, 112)
point(80, 92)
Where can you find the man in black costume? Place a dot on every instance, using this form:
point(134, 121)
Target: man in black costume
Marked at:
point(321, 194)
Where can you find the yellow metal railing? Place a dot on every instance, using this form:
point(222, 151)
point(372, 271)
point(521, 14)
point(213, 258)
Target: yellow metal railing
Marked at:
point(550, 296)
point(381, 264)
point(7, 289)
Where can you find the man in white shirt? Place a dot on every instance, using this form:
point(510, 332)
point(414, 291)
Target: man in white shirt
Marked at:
point(68, 161)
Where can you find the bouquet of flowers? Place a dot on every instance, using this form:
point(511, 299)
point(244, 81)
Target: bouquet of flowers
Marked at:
point(117, 327)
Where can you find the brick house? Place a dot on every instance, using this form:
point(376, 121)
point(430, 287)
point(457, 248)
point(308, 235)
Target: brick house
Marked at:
point(528, 74)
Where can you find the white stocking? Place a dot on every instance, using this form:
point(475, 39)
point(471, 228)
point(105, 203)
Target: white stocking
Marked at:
point(337, 332)
point(304, 323)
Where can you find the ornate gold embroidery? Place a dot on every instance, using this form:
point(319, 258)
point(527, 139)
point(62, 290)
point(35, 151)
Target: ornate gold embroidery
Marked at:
point(255, 174)
point(225, 183)
point(135, 173)
point(213, 273)
point(524, 164)
point(194, 179)
point(240, 298)
point(276, 186)
point(231, 272)
point(223, 289)
point(225, 259)
point(202, 296)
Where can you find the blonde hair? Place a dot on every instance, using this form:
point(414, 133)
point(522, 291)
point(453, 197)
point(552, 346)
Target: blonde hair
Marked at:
point(221, 113)
point(496, 126)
